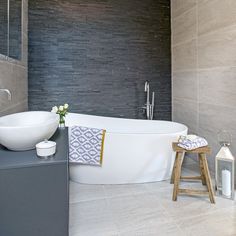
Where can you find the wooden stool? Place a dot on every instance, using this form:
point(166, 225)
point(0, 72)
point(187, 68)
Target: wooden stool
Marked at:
point(204, 172)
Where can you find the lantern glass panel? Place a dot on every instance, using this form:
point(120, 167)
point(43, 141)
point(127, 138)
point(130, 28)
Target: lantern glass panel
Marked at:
point(223, 165)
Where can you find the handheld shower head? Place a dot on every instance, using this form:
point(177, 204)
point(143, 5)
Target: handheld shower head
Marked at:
point(146, 86)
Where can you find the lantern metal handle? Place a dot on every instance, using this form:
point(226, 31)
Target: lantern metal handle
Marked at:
point(227, 138)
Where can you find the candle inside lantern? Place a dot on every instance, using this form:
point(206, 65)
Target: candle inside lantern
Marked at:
point(226, 183)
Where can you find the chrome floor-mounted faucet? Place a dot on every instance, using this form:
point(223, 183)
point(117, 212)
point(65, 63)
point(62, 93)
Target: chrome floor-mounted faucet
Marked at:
point(149, 107)
point(8, 93)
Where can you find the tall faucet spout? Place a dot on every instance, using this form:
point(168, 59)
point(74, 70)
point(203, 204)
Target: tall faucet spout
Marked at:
point(149, 106)
point(146, 89)
point(152, 105)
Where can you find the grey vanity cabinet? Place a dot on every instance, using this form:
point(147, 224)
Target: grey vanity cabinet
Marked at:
point(34, 193)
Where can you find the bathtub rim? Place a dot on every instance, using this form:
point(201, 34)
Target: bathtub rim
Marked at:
point(184, 127)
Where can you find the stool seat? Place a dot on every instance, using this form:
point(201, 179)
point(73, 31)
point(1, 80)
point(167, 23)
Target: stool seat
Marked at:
point(206, 149)
point(204, 172)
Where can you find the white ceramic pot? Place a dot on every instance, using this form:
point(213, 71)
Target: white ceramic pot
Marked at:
point(46, 149)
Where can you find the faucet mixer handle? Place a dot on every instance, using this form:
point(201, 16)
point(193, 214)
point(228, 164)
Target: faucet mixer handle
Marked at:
point(142, 109)
point(8, 93)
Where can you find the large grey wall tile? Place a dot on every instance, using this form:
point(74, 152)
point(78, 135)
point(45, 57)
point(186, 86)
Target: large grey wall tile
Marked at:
point(17, 107)
point(180, 6)
point(217, 86)
point(214, 82)
point(218, 48)
point(184, 56)
point(13, 75)
point(216, 14)
point(25, 17)
point(211, 137)
point(216, 118)
point(185, 85)
point(97, 55)
point(21, 85)
point(186, 112)
point(6, 74)
point(14, 78)
point(212, 120)
point(184, 27)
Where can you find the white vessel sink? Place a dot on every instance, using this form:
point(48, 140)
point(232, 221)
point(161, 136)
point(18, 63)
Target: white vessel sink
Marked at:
point(22, 131)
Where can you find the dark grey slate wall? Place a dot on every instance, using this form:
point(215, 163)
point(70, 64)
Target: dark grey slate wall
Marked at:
point(3, 27)
point(97, 54)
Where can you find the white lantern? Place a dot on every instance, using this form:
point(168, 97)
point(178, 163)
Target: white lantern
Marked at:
point(224, 173)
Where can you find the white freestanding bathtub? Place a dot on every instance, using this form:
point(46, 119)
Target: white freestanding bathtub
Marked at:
point(135, 151)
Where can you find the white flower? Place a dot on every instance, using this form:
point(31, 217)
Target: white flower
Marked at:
point(61, 108)
point(54, 109)
point(66, 106)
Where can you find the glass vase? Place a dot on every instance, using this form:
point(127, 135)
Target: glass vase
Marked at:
point(62, 122)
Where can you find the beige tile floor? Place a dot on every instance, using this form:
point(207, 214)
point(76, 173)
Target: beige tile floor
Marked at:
point(147, 209)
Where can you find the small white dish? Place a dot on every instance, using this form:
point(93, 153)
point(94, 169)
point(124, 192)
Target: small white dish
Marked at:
point(46, 149)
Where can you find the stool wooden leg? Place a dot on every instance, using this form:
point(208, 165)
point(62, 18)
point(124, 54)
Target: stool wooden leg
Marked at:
point(173, 170)
point(201, 170)
point(207, 177)
point(177, 173)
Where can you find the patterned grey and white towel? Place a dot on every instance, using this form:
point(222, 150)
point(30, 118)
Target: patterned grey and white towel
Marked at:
point(86, 145)
point(191, 142)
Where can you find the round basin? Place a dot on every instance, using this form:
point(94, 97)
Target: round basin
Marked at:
point(22, 131)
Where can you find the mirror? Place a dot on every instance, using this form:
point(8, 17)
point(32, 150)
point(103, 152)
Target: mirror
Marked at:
point(15, 29)
point(11, 28)
point(3, 27)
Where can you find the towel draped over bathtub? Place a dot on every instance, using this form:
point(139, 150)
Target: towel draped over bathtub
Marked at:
point(86, 145)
